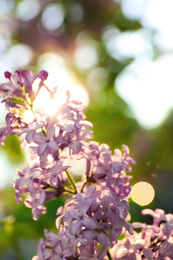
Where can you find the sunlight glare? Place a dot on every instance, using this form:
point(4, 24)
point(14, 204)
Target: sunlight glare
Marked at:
point(61, 76)
point(49, 105)
point(63, 79)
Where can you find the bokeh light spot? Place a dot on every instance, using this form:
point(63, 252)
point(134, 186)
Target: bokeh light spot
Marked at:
point(19, 55)
point(6, 6)
point(2, 44)
point(97, 78)
point(53, 17)
point(128, 44)
point(86, 56)
point(143, 193)
point(75, 12)
point(27, 10)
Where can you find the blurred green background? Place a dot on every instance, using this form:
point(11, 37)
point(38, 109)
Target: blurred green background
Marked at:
point(104, 47)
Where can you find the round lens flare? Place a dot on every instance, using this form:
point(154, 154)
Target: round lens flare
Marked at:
point(143, 193)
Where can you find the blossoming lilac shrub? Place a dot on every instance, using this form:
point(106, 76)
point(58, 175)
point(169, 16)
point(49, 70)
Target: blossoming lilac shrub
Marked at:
point(96, 212)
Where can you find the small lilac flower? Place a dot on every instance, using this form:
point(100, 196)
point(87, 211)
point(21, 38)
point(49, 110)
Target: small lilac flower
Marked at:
point(89, 252)
point(43, 253)
point(28, 174)
point(130, 250)
point(54, 173)
point(43, 75)
point(45, 142)
point(120, 162)
point(32, 128)
point(3, 134)
point(7, 74)
point(12, 88)
point(35, 200)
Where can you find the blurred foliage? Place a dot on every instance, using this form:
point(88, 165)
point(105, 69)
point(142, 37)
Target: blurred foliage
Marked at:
point(112, 125)
point(84, 23)
point(19, 233)
point(13, 150)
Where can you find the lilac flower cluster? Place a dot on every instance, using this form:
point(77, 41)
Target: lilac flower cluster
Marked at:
point(96, 211)
point(152, 242)
point(46, 137)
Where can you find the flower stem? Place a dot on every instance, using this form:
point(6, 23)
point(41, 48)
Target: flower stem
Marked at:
point(83, 186)
point(109, 255)
point(72, 181)
point(70, 191)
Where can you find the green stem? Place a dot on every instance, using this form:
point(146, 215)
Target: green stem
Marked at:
point(109, 255)
point(72, 182)
point(30, 107)
point(70, 191)
point(83, 186)
point(33, 113)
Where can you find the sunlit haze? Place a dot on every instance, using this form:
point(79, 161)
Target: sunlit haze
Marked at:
point(61, 77)
point(148, 89)
point(147, 84)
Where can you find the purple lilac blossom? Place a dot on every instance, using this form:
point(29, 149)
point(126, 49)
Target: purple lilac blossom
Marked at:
point(96, 214)
point(152, 242)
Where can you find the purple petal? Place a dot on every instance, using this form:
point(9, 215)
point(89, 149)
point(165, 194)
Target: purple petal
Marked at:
point(38, 137)
point(76, 226)
point(148, 253)
point(7, 74)
point(103, 239)
point(117, 154)
point(53, 145)
point(50, 132)
point(121, 253)
point(89, 222)
point(41, 148)
point(29, 137)
point(125, 149)
point(43, 74)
